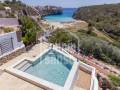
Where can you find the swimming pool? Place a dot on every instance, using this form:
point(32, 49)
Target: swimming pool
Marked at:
point(52, 66)
point(53, 69)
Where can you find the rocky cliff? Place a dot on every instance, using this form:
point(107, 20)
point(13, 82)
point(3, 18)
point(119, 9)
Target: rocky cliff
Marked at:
point(49, 10)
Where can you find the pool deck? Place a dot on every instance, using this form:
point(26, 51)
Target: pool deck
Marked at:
point(10, 82)
point(82, 83)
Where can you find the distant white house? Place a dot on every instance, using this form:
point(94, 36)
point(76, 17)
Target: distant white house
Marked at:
point(7, 9)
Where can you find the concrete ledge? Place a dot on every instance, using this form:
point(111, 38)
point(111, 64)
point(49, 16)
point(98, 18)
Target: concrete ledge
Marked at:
point(10, 55)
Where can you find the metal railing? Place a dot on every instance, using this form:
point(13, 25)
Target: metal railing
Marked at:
point(6, 45)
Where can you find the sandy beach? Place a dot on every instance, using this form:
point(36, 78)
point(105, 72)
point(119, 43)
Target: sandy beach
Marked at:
point(73, 25)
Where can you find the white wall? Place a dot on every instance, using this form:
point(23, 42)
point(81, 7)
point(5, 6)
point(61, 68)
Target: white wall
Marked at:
point(94, 81)
point(16, 44)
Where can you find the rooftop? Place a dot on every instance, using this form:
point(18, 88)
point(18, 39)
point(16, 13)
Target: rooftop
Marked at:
point(8, 22)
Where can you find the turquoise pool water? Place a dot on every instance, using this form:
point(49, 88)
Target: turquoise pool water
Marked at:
point(65, 17)
point(52, 66)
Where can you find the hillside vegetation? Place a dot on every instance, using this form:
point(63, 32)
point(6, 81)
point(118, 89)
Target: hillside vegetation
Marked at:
point(18, 5)
point(105, 18)
point(29, 29)
point(89, 44)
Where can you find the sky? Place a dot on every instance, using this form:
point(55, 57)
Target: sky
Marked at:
point(69, 3)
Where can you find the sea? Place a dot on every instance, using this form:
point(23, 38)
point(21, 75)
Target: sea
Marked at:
point(66, 16)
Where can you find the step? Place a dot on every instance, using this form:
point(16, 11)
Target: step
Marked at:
point(26, 66)
point(20, 65)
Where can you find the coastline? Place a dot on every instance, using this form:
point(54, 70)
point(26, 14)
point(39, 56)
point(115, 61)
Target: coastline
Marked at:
point(66, 16)
point(65, 25)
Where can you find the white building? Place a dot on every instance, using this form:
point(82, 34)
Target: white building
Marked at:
point(9, 43)
point(8, 9)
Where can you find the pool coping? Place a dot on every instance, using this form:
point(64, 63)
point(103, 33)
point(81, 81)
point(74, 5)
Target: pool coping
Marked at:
point(44, 83)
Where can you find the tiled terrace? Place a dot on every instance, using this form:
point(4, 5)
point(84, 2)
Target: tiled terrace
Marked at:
point(10, 82)
point(83, 81)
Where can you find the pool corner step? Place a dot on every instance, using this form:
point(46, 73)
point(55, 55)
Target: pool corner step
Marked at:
point(26, 66)
point(22, 64)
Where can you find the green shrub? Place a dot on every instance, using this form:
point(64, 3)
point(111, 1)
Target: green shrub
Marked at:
point(100, 49)
point(25, 40)
point(114, 79)
point(29, 38)
point(60, 36)
point(29, 29)
point(90, 45)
